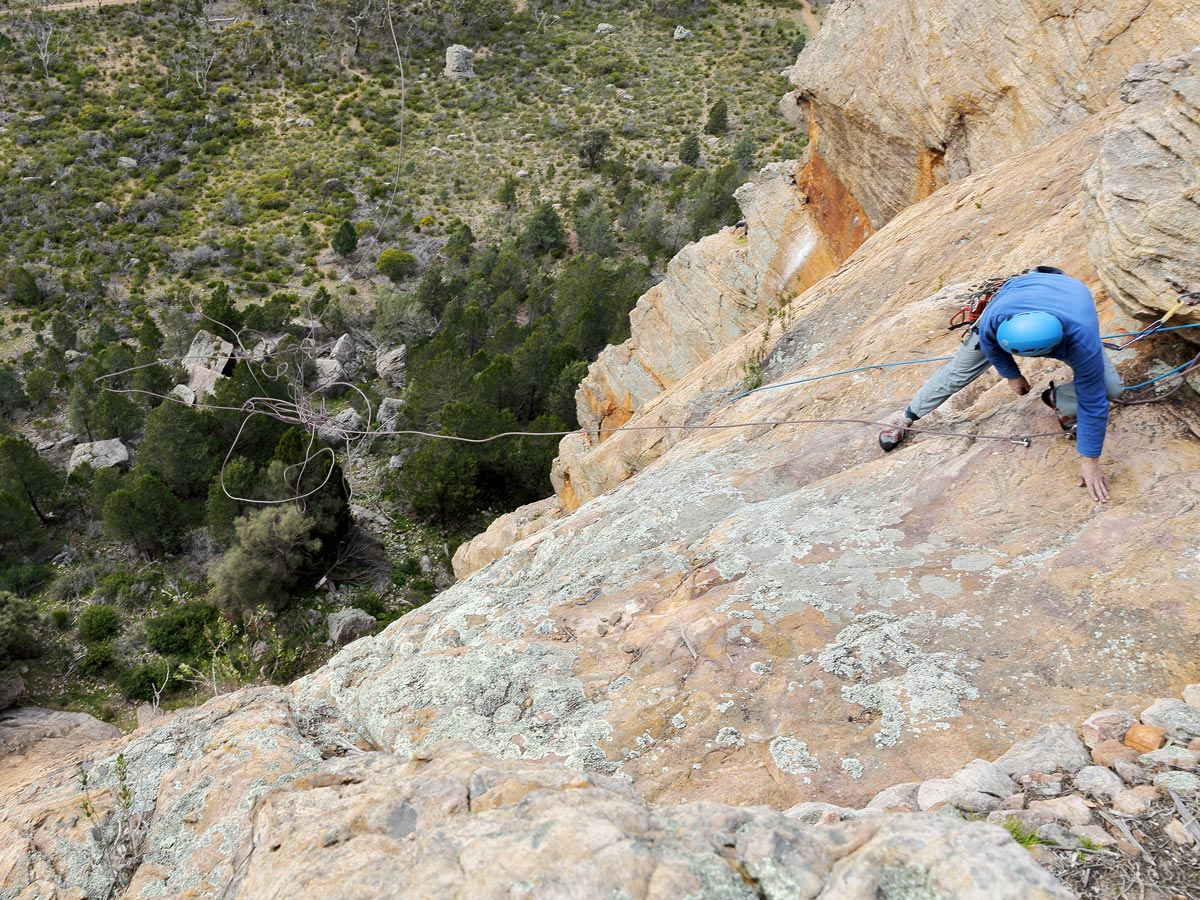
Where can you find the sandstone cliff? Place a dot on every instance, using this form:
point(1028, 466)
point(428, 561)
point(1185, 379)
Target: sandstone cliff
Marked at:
point(762, 614)
point(769, 614)
point(901, 97)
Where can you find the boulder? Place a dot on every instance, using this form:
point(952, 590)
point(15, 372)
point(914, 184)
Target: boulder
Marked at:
point(1169, 758)
point(1106, 725)
point(1073, 809)
point(12, 688)
point(1181, 782)
point(329, 377)
point(459, 63)
point(208, 351)
point(682, 34)
point(899, 797)
point(391, 366)
point(1054, 748)
point(126, 162)
point(605, 28)
point(343, 350)
point(184, 394)
point(389, 413)
point(337, 430)
point(348, 625)
point(1178, 721)
point(1144, 738)
point(1191, 695)
point(1135, 801)
point(100, 455)
point(1098, 782)
point(30, 729)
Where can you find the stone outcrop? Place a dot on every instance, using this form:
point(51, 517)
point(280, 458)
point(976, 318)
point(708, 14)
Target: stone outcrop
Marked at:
point(459, 63)
point(99, 455)
point(900, 98)
point(348, 625)
point(781, 613)
point(207, 361)
point(391, 366)
point(232, 800)
point(502, 533)
point(1143, 201)
point(715, 291)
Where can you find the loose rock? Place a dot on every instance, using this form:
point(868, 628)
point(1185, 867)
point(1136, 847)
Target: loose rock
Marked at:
point(1099, 782)
point(1135, 801)
point(1179, 721)
point(1106, 725)
point(348, 625)
point(1144, 738)
point(1073, 809)
point(1054, 748)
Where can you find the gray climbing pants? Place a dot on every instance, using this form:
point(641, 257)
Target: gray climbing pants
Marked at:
point(969, 363)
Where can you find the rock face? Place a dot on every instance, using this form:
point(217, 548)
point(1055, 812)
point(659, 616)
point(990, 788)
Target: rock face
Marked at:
point(902, 97)
point(207, 361)
point(1143, 198)
point(459, 63)
point(715, 291)
point(848, 614)
point(232, 800)
point(99, 455)
point(502, 533)
point(391, 366)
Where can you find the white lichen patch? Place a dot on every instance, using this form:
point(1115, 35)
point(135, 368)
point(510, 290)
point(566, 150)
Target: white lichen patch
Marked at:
point(792, 756)
point(729, 737)
point(853, 767)
point(894, 677)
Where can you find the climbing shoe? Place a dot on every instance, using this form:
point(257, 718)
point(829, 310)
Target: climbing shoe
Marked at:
point(1066, 423)
point(895, 433)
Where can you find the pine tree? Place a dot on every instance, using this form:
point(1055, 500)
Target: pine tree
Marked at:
point(345, 239)
point(689, 150)
point(718, 118)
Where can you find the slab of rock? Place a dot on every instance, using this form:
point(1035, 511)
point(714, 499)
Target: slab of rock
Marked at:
point(1181, 782)
point(12, 688)
point(1108, 752)
point(1054, 748)
point(1169, 758)
point(202, 382)
point(184, 394)
point(340, 428)
point(1135, 801)
point(1142, 208)
point(1179, 721)
point(1099, 782)
point(606, 28)
point(100, 455)
point(984, 777)
point(899, 797)
point(343, 349)
point(1072, 809)
point(459, 63)
point(348, 625)
point(329, 377)
point(505, 531)
point(1191, 695)
point(208, 351)
point(1144, 738)
point(1106, 725)
point(126, 162)
point(391, 366)
point(682, 34)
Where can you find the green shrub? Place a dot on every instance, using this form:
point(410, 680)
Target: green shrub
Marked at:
point(98, 622)
point(61, 619)
point(181, 630)
point(99, 659)
point(396, 264)
point(17, 618)
point(140, 682)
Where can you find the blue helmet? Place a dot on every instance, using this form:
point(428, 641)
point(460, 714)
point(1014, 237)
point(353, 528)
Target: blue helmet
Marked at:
point(1030, 333)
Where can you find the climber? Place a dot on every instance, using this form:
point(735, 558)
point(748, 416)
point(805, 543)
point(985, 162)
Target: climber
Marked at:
point(1043, 313)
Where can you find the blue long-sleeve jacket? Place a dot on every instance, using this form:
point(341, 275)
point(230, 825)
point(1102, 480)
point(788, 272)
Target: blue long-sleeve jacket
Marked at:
point(1071, 301)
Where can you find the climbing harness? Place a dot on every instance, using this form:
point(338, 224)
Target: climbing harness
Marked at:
point(977, 301)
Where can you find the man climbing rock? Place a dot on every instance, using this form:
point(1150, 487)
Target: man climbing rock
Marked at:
point(1043, 313)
